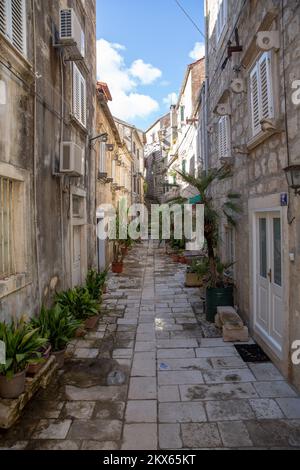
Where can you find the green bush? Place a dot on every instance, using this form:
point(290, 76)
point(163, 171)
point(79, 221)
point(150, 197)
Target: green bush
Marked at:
point(95, 282)
point(79, 303)
point(23, 344)
point(57, 325)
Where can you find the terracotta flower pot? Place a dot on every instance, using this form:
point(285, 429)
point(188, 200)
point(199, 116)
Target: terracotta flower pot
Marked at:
point(12, 388)
point(80, 332)
point(33, 369)
point(60, 357)
point(124, 251)
point(182, 259)
point(175, 258)
point(117, 267)
point(192, 280)
point(91, 323)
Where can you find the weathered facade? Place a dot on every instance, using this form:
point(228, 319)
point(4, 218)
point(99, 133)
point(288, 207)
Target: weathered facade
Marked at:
point(47, 174)
point(158, 141)
point(184, 154)
point(253, 124)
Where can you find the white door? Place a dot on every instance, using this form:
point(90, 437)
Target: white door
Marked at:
point(76, 271)
point(269, 318)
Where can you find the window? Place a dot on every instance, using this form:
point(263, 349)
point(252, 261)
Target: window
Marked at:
point(7, 248)
point(134, 147)
point(262, 102)
point(13, 23)
point(78, 206)
point(138, 154)
point(102, 158)
point(182, 113)
point(222, 18)
point(229, 245)
point(183, 166)
point(79, 96)
point(224, 140)
point(192, 166)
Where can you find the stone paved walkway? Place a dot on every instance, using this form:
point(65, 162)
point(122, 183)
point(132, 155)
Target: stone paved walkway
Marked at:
point(146, 379)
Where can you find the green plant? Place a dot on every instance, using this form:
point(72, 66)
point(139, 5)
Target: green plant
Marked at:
point(22, 346)
point(79, 303)
point(57, 325)
point(212, 216)
point(95, 282)
point(202, 269)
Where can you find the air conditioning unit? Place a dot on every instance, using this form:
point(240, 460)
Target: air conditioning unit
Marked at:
point(268, 40)
point(71, 33)
point(238, 85)
point(71, 159)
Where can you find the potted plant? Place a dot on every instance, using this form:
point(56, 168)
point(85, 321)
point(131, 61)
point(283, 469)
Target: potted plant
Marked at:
point(81, 305)
point(59, 326)
point(95, 283)
point(219, 292)
point(22, 345)
point(195, 273)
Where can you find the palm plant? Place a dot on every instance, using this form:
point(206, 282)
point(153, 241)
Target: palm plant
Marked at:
point(212, 216)
point(22, 344)
point(57, 325)
point(79, 303)
point(95, 282)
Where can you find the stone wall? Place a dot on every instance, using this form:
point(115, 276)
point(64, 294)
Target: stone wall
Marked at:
point(258, 163)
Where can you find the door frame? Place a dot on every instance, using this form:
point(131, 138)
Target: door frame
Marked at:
point(269, 204)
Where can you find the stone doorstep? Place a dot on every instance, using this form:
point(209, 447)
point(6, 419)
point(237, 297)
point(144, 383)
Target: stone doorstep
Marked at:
point(232, 336)
point(11, 410)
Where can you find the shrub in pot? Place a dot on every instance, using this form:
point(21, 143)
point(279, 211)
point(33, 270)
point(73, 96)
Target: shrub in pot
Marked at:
point(218, 290)
point(23, 346)
point(196, 273)
point(59, 326)
point(80, 305)
point(95, 283)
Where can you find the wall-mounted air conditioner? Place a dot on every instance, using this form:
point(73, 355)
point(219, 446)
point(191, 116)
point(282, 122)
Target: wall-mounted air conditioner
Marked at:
point(268, 40)
point(71, 159)
point(71, 34)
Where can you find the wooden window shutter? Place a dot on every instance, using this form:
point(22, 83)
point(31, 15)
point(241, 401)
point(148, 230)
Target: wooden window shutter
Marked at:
point(266, 93)
point(255, 101)
point(83, 100)
point(76, 92)
point(18, 25)
point(224, 137)
point(3, 17)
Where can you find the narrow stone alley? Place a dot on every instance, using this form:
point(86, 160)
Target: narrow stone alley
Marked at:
point(148, 379)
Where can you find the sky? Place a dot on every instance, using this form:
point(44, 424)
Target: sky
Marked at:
point(143, 49)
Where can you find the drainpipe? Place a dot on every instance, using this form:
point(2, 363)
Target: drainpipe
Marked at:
point(35, 156)
point(206, 93)
point(61, 178)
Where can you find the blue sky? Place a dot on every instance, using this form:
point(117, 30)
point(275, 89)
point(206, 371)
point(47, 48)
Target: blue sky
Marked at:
point(144, 47)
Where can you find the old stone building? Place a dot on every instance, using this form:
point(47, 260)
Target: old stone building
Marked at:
point(158, 141)
point(253, 124)
point(184, 153)
point(133, 140)
point(47, 174)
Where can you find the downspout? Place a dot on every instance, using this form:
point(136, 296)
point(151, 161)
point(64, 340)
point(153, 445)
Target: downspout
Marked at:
point(35, 156)
point(206, 93)
point(61, 178)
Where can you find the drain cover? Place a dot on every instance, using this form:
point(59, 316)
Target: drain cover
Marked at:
point(251, 353)
point(116, 377)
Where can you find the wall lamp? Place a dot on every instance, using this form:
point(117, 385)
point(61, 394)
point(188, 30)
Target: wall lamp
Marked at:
point(103, 138)
point(293, 177)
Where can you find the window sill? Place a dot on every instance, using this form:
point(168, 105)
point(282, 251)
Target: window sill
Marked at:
point(16, 60)
point(78, 124)
point(261, 138)
point(13, 284)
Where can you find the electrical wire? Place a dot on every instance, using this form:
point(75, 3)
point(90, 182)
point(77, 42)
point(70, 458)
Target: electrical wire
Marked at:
point(189, 17)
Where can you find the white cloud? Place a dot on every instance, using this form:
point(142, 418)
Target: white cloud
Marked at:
point(146, 73)
point(198, 52)
point(172, 98)
point(127, 103)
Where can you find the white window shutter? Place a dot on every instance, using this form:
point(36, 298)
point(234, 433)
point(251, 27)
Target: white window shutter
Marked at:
point(18, 25)
point(83, 100)
point(266, 93)
point(224, 137)
point(102, 162)
point(255, 101)
point(76, 92)
point(3, 17)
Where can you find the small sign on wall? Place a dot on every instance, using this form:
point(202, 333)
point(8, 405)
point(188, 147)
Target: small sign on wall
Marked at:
point(283, 199)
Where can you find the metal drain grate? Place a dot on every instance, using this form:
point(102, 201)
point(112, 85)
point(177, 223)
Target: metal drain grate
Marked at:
point(251, 353)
